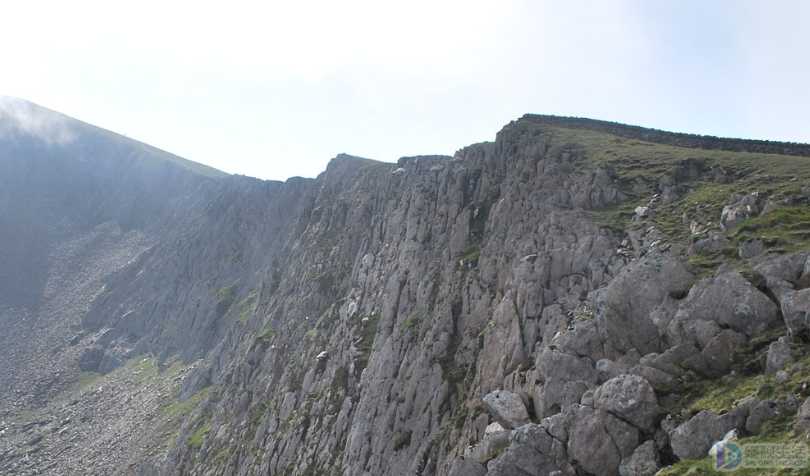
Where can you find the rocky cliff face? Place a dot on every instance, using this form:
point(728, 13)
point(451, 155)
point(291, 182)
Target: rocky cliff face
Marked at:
point(569, 299)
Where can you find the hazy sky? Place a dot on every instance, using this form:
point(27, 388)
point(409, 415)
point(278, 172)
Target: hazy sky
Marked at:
point(276, 88)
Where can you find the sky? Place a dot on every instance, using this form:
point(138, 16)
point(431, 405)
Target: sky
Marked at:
point(274, 89)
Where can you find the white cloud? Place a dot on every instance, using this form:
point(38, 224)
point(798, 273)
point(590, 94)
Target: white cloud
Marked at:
point(276, 88)
point(20, 117)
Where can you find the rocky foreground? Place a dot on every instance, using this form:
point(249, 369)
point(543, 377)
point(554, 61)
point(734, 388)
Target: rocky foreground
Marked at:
point(573, 298)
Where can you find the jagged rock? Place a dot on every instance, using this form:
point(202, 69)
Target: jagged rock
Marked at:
point(693, 438)
point(740, 208)
point(490, 446)
point(796, 311)
point(623, 308)
point(643, 462)
point(466, 467)
point(660, 380)
point(532, 452)
point(599, 442)
point(507, 408)
point(714, 243)
point(779, 356)
point(630, 398)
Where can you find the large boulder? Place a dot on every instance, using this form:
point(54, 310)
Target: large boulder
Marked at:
point(598, 441)
point(507, 408)
point(764, 411)
point(630, 398)
point(623, 307)
point(643, 462)
point(730, 301)
point(693, 438)
point(565, 377)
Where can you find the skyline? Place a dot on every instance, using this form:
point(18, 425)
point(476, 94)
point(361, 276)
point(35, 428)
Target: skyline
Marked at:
point(273, 90)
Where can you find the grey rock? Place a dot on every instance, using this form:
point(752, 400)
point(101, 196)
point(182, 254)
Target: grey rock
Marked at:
point(693, 438)
point(631, 398)
point(643, 462)
point(740, 208)
point(599, 442)
point(802, 424)
point(465, 467)
point(796, 311)
point(750, 249)
point(507, 408)
point(767, 410)
point(730, 301)
point(779, 355)
point(624, 306)
point(532, 452)
point(490, 446)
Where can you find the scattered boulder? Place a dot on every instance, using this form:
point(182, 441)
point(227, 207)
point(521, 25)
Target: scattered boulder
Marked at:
point(693, 438)
point(767, 410)
point(630, 398)
point(643, 462)
point(507, 408)
point(796, 311)
point(750, 249)
point(714, 243)
point(740, 208)
point(779, 356)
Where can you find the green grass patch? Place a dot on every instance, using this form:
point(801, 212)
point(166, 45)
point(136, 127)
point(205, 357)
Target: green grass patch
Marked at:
point(178, 410)
point(247, 306)
point(787, 228)
point(721, 394)
point(198, 437)
point(470, 256)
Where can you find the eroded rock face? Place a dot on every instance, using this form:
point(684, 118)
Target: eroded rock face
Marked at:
point(351, 324)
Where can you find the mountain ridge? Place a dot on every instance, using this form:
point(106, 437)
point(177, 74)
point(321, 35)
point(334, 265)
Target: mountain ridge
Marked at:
point(368, 321)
